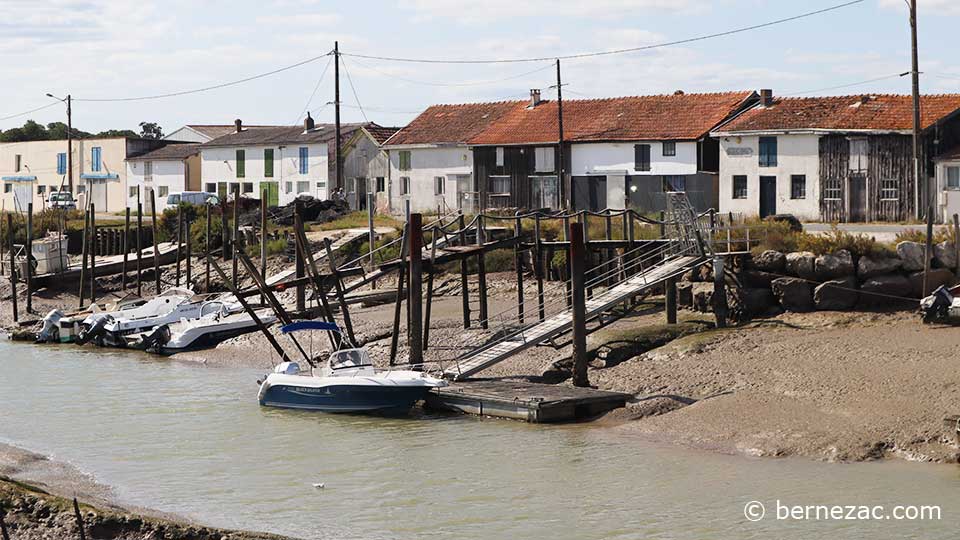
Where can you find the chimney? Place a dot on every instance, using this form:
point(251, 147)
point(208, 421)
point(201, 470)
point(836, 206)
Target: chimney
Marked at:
point(239, 124)
point(308, 123)
point(766, 97)
point(534, 97)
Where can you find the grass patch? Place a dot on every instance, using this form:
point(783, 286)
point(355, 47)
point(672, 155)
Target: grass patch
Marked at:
point(359, 220)
point(778, 236)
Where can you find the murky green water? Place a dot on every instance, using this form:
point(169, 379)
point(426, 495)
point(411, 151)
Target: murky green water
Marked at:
point(192, 440)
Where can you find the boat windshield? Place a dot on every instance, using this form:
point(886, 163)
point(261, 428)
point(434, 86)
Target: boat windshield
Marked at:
point(349, 358)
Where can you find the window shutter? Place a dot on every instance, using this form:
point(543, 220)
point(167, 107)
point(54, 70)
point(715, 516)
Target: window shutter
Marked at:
point(268, 162)
point(241, 163)
point(304, 156)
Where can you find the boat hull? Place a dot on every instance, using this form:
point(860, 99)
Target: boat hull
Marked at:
point(342, 397)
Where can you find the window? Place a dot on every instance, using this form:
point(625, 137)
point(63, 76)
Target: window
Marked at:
point(953, 177)
point(17, 162)
point(234, 188)
point(248, 187)
point(768, 151)
point(439, 185)
point(96, 154)
point(798, 186)
point(321, 185)
point(500, 184)
point(543, 159)
point(241, 164)
point(134, 190)
point(404, 158)
point(889, 189)
point(303, 187)
point(211, 187)
point(858, 155)
point(163, 191)
point(832, 189)
point(499, 155)
point(81, 188)
point(268, 162)
point(739, 186)
point(62, 163)
point(41, 189)
point(288, 187)
point(7, 188)
point(52, 189)
point(304, 160)
point(404, 185)
point(381, 184)
point(641, 157)
point(669, 148)
point(148, 171)
point(674, 183)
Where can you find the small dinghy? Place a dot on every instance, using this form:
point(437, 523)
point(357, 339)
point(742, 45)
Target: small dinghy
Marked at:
point(347, 383)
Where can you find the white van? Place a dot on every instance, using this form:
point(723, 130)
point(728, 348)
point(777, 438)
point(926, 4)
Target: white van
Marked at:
point(197, 198)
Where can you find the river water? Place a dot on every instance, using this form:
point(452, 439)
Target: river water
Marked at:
point(191, 440)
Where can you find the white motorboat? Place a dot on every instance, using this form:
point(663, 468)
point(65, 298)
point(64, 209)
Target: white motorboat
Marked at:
point(347, 383)
point(204, 332)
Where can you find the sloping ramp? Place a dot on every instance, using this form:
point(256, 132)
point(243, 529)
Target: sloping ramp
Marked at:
point(488, 355)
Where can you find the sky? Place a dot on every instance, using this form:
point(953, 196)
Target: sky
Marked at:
point(96, 49)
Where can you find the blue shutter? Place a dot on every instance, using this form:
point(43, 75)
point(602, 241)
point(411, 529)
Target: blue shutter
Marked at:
point(95, 159)
point(304, 164)
point(61, 163)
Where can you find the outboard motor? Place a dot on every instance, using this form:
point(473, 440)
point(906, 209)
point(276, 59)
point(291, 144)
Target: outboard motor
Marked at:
point(936, 307)
point(95, 331)
point(156, 339)
point(49, 332)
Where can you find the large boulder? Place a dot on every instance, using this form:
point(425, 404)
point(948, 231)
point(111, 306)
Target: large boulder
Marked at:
point(911, 255)
point(702, 297)
point(759, 302)
point(770, 261)
point(890, 291)
point(945, 254)
point(757, 278)
point(937, 277)
point(836, 294)
point(793, 293)
point(871, 266)
point(835, 265)
point(801, 264)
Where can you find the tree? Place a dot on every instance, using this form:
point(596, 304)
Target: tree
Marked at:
point(58, 130)
point(151, 130)
point(117, 133)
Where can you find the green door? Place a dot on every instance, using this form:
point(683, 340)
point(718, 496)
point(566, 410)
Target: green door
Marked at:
point(270, 190)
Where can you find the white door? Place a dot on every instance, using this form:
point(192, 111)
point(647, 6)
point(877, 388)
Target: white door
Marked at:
point(22, 195)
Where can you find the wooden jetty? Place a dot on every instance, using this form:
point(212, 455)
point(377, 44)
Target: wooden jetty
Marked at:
point(521, 400)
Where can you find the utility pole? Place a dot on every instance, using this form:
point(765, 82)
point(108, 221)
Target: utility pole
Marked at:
point(915, 75)
point(336, 103)
point(68, 100)
point(566, 189)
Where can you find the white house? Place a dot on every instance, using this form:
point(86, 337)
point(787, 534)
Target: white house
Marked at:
point(279, 163)
point(947, 170)
point(171, 169)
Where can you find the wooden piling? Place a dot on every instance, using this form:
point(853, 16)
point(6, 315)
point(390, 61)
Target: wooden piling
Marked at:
point(577, 256)
point(126, 249)
point(208, 250)
point(79, 518)
point(518, 262)
point(538, 267)
point(398, 304)
point(189, 254)
point(566, 253)
point(156, 250)
point(482, 274)
point(928, 253)
point(719, 293)
point(29, 256)
point(93, 254)
point(430, 276)
point(13, 269)
point(235, 238)
point(318, 286)
point(298, 260)
point(139, 244)
point(263, 239)
point(372, 233)
point(338, 285)
point(671, 300)
point(224, 232)
point(956, 240)
point(607, 257)
point(415, 290)
point(176, 278)
point(464, 279)
point(85, 243)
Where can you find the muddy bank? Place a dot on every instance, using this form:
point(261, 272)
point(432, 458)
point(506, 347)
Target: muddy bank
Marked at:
point(36, 500)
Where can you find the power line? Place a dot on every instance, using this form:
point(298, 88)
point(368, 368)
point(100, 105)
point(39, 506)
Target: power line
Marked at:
point(207, 88)
point(314, 93)
point(354, 90)
point(473, 83)
point(848, 85)
point(24, 113)
point(610, 52)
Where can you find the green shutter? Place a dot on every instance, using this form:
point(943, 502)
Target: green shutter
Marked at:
point(241, 164)
point(268, 162)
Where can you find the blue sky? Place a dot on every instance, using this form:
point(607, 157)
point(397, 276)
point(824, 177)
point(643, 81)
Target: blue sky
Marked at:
point(119, 48)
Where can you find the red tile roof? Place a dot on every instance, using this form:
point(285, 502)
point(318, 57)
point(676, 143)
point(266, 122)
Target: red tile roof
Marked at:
point(883, 112)
point(380, 133)
point(663, 117)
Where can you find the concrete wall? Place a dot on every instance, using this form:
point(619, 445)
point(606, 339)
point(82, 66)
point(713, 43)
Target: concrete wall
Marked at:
point(589, 158)
point(425, 165)
point(364, 159)
point(168, 177)
point(218, 165)
point(796, 154)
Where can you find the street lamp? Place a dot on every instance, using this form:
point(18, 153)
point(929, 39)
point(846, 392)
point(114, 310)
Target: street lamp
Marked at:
point(67, 100)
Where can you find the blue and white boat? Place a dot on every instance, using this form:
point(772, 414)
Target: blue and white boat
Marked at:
point(347, 383)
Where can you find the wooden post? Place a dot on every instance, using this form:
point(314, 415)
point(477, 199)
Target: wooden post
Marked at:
point(126, 249)
point(3, 525)
point(719, 293)
point(29, 256)
point(208, 250)
point(518, 262)
point(139, 244)
point(464, 280)
point(338, 284)
point(927, 252)
point(298, 260)
point(433, 270)
point(186, 225)
point(235, 237)
point(156, 250)
point(85, 244)
point(79, 517)
point(587, 252)
point(608, 234)
point(671, 300)
point(3, 245)
point(318, 289)
point(538, 266)
point(225, 250)
point(415, 291)
point(176, 278)
point(566, 253)
point(482, 274)
point(263, 240)
point(93, 254)
point(398, 305)
point(13, 269)
point(577, 256)
point(372, 233)
point(956, 240)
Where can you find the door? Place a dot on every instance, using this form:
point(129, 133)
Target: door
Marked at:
point(98, 195)
point(768, 196)
point(589, 193)
point(361, 195)
point(466, 195)
point(22, 195)
point(271, 192)
point(858, 197)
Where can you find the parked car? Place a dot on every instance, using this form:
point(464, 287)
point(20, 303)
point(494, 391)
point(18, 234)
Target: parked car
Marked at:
point(198, 198)
point(62, 199)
